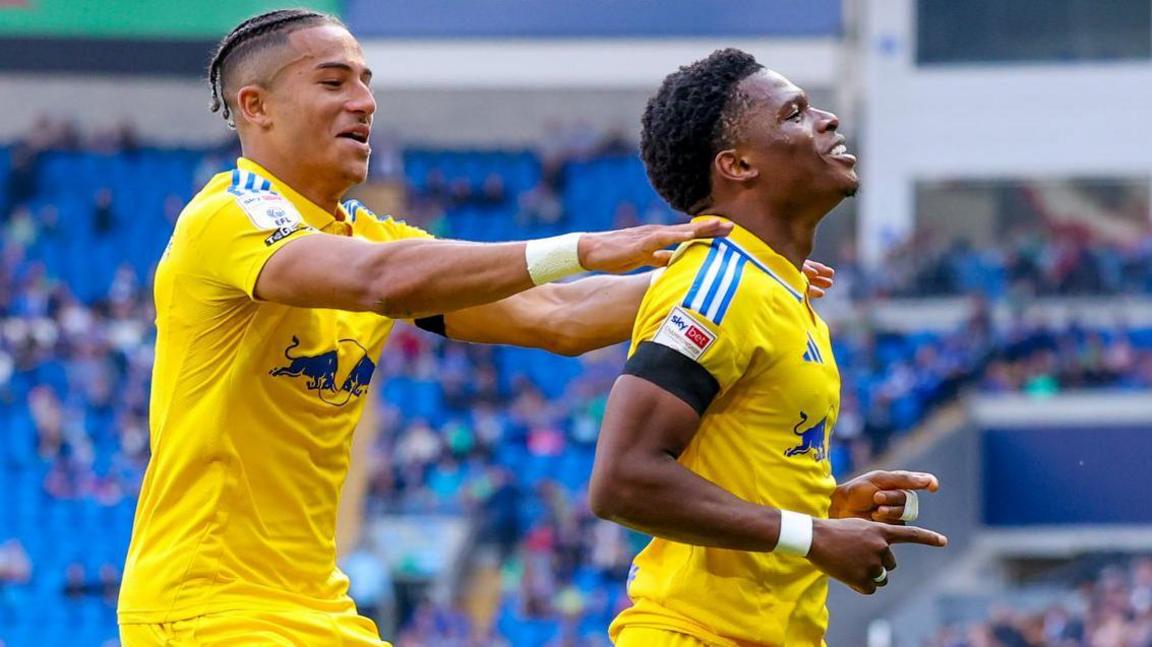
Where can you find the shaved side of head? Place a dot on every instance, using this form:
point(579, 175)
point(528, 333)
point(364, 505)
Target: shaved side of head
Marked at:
point(255, 51)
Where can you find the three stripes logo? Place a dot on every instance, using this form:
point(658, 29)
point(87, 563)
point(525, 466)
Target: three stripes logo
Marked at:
point(812, 351)
point(716, 282)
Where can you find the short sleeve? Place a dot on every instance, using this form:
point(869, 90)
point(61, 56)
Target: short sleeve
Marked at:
point(675, 331)
point(233, 243)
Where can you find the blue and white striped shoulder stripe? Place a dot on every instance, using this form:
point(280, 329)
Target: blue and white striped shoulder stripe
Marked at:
point(716, 282)
point(355, 209)
point(715, 285)
point(247, 182)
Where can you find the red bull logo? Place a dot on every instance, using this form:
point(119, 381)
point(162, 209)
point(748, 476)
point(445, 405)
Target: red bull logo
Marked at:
point(812, 439)
point(323, 372)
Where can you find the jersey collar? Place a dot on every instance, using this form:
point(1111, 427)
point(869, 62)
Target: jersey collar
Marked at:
point(313, 214)
point(767, 258)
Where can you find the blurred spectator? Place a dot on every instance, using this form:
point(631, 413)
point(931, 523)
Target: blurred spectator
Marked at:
point(1108, 609)
point(15, 567)
point(22, 180)
point(371, 587)
point(103, 218)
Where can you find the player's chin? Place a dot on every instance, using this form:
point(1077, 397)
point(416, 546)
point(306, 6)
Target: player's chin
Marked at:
point(846, 182)
point(850, 185)
point(356, 171)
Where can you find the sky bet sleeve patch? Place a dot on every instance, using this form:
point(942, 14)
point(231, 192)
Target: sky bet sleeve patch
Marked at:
point(685, 334)
point(271, 212)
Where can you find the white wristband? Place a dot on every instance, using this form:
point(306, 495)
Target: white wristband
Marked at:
point(795, 534)
point(553, 258)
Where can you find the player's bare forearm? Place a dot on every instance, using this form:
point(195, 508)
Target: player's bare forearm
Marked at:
point(672, 502)
point(400, 279)
point(425, 277)
point(566, 318)
point(415, 278)
point(637, 482)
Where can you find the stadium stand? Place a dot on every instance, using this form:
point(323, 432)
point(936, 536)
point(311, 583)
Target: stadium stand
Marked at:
point(1101, 600)
point(504, 435)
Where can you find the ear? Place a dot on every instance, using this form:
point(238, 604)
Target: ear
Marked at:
point(252, 105)
point(733, 166)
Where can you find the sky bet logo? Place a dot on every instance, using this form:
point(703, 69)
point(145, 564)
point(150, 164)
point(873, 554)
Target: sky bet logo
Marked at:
point(691, 332)
point(684, 334)
point(698, 337)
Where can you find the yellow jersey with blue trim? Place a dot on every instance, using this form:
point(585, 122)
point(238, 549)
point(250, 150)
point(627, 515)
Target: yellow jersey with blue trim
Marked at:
point(253, 406)
point(748, 351)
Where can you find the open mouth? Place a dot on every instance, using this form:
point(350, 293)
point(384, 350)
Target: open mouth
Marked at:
point(839, 152)
point(356, 134)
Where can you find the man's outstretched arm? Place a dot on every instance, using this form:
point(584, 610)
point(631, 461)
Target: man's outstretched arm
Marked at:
point(572, 318)
point(637, 482)
point(564, 318)
point(414, 278)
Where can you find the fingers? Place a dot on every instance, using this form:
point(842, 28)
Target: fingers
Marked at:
point(903, 480)
point(820, 278)
point(879, 577)
point(890, 498)
point(816, 269)
point(888, 559)
point(914, 535)
point(888, 514)
point(708, 228)
point(660, 258)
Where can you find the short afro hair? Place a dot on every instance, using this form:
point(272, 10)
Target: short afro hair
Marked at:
point(694, 115)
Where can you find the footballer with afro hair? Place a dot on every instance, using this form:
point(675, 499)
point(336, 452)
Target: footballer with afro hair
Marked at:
point(715, 437)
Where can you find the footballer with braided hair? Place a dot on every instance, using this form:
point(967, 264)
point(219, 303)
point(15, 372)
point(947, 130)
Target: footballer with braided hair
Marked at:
point(274, 299)
point(715, 437)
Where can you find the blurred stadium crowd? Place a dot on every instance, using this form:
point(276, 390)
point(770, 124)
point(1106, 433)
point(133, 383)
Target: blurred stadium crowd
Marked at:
point(1102, 605)
point(504, 435)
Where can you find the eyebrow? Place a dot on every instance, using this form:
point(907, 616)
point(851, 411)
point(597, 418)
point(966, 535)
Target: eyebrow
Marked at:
point(798, 98)
point(335, 65)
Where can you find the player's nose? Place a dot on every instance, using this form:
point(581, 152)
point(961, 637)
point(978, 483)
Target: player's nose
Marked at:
point(362, 101)
point(826, 121)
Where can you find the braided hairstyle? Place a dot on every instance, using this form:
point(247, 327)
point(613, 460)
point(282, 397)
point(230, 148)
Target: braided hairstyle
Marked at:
point(251, 36)
point(696, 113)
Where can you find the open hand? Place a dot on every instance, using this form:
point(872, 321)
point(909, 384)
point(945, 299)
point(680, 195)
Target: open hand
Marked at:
point(624, 250)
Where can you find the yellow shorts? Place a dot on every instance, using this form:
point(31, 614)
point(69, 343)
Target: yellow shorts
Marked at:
point(652, 637)
point(258, 629)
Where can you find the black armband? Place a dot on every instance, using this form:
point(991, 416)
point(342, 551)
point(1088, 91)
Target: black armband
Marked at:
point(675, 373)
point(435, 324)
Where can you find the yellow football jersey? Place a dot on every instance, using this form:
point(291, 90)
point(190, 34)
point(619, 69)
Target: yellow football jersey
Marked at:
point(740, 310)
point(252, 411)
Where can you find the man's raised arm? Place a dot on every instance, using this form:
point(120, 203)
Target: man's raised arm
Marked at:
point(415, 278)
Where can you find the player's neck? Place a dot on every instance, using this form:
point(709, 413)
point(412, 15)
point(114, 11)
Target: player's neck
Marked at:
point(311, 186)
point(789, 238)
point(787, 233)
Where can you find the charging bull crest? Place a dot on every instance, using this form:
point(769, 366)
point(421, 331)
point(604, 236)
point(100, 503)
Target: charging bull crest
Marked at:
point(323, 371)
point(811, 439)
